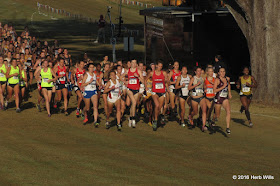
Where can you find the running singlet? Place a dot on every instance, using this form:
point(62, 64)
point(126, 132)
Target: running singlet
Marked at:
point(133, 82)
point(2, 75)
point(61, 72)
point(209, 87)
point(224, 92)
point(92, 85)
point(174, 78)
point(198, 91)
point(114, 94)
point(14, 79)
point(185, 89)
point(78, 75)
point(245, 90)
point(97, 75)
point(46, 76)
point(158, 83)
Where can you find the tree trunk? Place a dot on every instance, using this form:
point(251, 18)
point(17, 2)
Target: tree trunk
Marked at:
point(259, 21)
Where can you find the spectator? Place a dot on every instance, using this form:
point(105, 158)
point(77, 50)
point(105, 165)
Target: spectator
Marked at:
point(101, 29)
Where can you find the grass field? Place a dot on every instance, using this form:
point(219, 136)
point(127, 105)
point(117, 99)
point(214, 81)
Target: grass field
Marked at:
point(59, 150)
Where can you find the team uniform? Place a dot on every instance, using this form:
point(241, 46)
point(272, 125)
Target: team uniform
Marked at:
point(223, 94)
point(61, 82)
point(45, 77)
point(3, 79)
point(115, 94)
point(133, 82)
point(209, 89)
point(174, 78)
point(158, 85)
point(78, 74)
point(13, 81)
point(198, 91)
point(184, 92)
point(245, 90)
point(90, 89)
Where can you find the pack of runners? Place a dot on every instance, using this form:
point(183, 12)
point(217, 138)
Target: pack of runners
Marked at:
point(129, 90)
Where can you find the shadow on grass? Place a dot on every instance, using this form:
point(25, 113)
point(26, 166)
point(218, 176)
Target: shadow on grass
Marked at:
point(240, 121)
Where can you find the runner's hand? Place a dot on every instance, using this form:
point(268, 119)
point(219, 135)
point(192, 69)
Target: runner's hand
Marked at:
point(248, 85)
point(15, 74)
point(113, 87)
point(184, 84)
point(136, 75)
point(229, 96)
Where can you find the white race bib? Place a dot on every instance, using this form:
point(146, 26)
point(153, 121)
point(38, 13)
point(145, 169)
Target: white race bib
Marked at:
point(185, 91)
point(62, 79)
point(15, 77)
point(209, 90)
point(45, 80)
point(2, 75)
point(132, 81)
point(246, 89)
point(198, 90)
point(93, 86)
point(224, 94)
point(159, 86)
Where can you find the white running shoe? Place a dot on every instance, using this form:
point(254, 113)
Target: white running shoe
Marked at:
point(133, 123)
point(129, 122)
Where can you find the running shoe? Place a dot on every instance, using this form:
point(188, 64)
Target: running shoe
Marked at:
point(82, 116)
point(6, 104)
point(78, 113)
point(228, 131)
point(85, 120)
point(207, 124)
point(204, 128)
point(183, 124)
point(150, 124)
point(66, 113)
point(133, 123)
point(119, 127)
point(154, 125)
point(49, 115)
point(129, 122)
point(55, 106)
point(107, 125)
point(18, 110)
point(96, 124)
point(162, 120)
point(251, 124)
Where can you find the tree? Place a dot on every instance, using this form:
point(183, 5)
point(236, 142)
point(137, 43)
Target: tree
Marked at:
point(259, 21)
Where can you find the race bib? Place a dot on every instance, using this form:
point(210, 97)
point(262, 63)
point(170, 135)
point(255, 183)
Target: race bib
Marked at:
point(93, 86)
point(2, 75)
point(194, 94)
point(246, 89)
point(15, 77)
point(159, 86)
point(45, 80)
point(209, 90)
point(185, 91)
point(62, 79)
point(132, 81)
point(224, 94)
point(171, 87)
point(28, 64)
point(198, 90)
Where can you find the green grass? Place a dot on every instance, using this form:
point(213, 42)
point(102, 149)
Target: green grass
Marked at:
point(59, 150)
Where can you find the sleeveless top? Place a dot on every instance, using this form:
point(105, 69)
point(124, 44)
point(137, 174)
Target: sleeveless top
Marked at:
point(209, 87)
point(198, 91)
point(45, 77)
point(244, 89)
point(224, 92)
point(92, 85)
point(133, 82)
point(2, 75)
point(185, 90)
point(78, 75)
point(61, 72)
point(158, 83)
point(115, 93)
point(14, 79)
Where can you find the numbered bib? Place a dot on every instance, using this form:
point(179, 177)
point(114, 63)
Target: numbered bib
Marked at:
point(246, 89)
point(28, 64)
point(198, 90)
point(2, 75)
point(132, 81)
point(159, 86)
point(21, 83)
point(209, 90)
point(15, 77)
point(224, 94)
point(45, 80)
point(93, 86)
point(62, 79)
point(185, 91)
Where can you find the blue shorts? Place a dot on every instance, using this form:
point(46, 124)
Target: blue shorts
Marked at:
point(89, 94)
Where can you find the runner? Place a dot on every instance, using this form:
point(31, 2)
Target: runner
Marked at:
point(90, 94)
point(245, 84)
point(22, 82)
point(120, 77)
point(173, 75)
point(48, 77)
point(98, 74)
point(61, 88)
point(3, 81)
point(148, 100)
point(209, 93)
point(197, 96)
point(134, 78)
point(77, 79)
point(223, 94)
point(29, 64)
point(160, 79)
point(13, 73)
point(105, 78)
point(113, 89)
point(182, 83)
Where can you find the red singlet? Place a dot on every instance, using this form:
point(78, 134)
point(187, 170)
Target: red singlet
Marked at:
point(133, 82)
point(158, 83)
